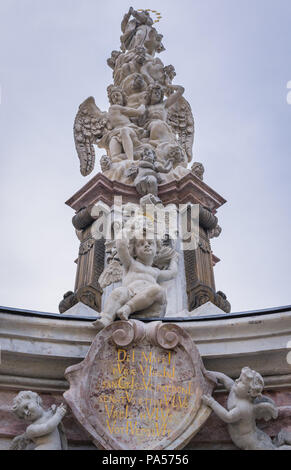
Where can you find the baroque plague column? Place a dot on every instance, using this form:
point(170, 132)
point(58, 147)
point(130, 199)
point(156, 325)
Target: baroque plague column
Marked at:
point(147, 135)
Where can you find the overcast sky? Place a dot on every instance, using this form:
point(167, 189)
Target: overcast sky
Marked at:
point(234, 59)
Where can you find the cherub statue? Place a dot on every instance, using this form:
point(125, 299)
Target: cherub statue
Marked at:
point(46, 431)
point(112, 131)
point(198, 170)
point(141, 287)
point(245, 405)
point(148, 173)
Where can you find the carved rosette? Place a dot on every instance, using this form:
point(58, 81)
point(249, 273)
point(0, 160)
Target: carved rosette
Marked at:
point(140, 387)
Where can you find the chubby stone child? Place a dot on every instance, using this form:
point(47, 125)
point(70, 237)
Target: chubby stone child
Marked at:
point(45, 430)
point(140, 283)
point(245, 405)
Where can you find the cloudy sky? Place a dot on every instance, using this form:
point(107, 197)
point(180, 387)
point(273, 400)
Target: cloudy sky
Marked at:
point(234, 59)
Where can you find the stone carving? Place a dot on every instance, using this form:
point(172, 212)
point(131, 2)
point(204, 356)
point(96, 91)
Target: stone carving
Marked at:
point(140, 387)
point(138, 116)
point(245, 405)
point(147, 173)
point(46, 431)
point(139, 31)
point(215, 232)
point(198, 170)
point(113, 271)
point(141, 289)
point(67, 302)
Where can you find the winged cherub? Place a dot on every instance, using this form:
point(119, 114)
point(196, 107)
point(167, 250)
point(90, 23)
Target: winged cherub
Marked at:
point(112, 131)
point(245, 405)
point(140, 282)
point(45, 430)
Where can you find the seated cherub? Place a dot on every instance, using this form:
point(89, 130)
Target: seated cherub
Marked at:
point(140, 282)
point(45, 431)
point(245, 405)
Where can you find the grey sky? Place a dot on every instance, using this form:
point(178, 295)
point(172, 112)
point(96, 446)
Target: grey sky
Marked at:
point(232, 56)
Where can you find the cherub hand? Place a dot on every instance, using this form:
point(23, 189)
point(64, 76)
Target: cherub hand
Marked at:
point(208, 400)
point(61, 410)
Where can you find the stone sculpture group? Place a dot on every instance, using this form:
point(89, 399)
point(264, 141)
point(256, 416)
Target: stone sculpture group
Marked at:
point(147, 134)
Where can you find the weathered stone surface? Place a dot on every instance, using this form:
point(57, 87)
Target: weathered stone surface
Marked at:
point(82, 309)
point(140, 387)
point(207, 309)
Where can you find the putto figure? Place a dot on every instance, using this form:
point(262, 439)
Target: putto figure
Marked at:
point(141, 280)
point(46, 431)
point(245, 405)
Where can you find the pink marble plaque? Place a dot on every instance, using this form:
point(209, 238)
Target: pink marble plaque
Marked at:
point(140, 387)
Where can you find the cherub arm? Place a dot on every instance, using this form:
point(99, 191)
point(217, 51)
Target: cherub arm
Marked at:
point(224, 379)
point(229, 417)
point(164, 168)
point(123, 252)
point(37, 430)
point(132, 112)
point(175, 96)
point(170, 273)
point(126, 19)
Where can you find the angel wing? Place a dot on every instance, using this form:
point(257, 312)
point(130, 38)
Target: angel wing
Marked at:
point(20, 442)
point(181, 120)
point(265, 409)
point(90, 125)
point(112, 273)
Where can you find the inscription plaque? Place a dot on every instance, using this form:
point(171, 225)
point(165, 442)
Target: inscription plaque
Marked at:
point(140, 387)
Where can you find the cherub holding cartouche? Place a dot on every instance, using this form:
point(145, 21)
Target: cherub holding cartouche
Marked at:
point(245, 405)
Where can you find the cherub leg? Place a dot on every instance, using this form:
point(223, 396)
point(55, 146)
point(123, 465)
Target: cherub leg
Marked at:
point(142, 300)
point(116, 299)
point(115, 147)
point(127, 143)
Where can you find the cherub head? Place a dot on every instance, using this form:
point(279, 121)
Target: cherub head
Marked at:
point(175, 154)
point(140, 54)
point(250, 384)
point(28, 406)
point(148, 155)
point(198, 170)
point(143, 249)
point(115, 95)
point(170, 71)
point(155, 94)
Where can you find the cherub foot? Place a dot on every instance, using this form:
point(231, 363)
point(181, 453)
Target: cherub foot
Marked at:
point(124, 312)
point(102, 322)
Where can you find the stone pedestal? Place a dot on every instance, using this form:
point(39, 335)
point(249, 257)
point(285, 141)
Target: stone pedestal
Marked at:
point(196, 280)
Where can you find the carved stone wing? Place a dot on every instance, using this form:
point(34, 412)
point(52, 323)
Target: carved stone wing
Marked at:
point(112, 273)
point(266, 409)
point(20, 443)
point(90, 125)
point(181, 120)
